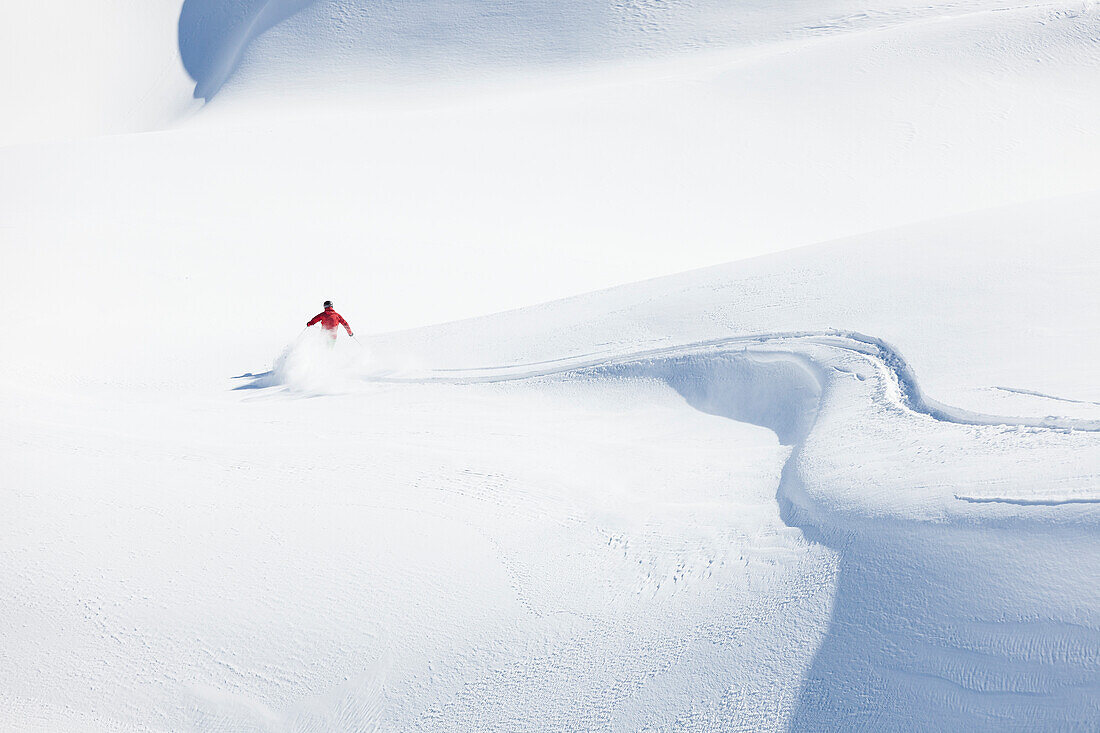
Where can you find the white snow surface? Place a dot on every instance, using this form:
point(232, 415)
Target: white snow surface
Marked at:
point(853, 485)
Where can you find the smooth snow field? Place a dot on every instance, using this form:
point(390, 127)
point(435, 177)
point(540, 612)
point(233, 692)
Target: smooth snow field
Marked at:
point(719, 366)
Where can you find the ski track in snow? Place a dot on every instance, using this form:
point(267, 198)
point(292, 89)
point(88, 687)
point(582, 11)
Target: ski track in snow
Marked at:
point(962, 655)
point(1043, 395)
point(1024, 502)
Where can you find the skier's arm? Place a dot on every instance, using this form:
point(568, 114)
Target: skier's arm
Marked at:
point(314, 319)
point(346, 326)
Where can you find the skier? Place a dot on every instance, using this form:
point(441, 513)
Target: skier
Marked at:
point(330, 321)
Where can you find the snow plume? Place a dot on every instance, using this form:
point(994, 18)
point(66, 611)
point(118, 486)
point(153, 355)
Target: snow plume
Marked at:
point(312, 364)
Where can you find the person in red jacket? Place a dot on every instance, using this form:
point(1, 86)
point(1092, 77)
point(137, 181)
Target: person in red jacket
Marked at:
point(330, 321)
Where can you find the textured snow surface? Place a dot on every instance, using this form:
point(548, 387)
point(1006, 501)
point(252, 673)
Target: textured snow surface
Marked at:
point(849, 486)
point(651, 506)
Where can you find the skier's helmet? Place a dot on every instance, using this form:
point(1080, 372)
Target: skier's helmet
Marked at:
point(328, 303)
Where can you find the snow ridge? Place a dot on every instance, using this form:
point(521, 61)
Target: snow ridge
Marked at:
point(902, 374)
point(978, 652)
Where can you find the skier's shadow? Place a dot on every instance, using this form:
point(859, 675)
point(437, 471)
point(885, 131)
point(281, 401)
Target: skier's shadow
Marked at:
point(259, 381)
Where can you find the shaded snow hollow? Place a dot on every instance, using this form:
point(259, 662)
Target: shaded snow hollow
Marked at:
point(214, 34)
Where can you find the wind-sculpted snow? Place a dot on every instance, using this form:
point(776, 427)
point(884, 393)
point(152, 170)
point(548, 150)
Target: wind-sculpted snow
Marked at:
point(337, 41)
point(901, 373)
point(930, 627)
point(777, 390)
point(214, 34)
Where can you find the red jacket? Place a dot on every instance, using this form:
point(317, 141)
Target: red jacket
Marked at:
point(330, 320)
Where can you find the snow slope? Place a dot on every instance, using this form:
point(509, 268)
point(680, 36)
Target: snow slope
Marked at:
point(852, 485)
point(579, 528)
point(588, 179)
point(74, 69)
point(966, 542)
